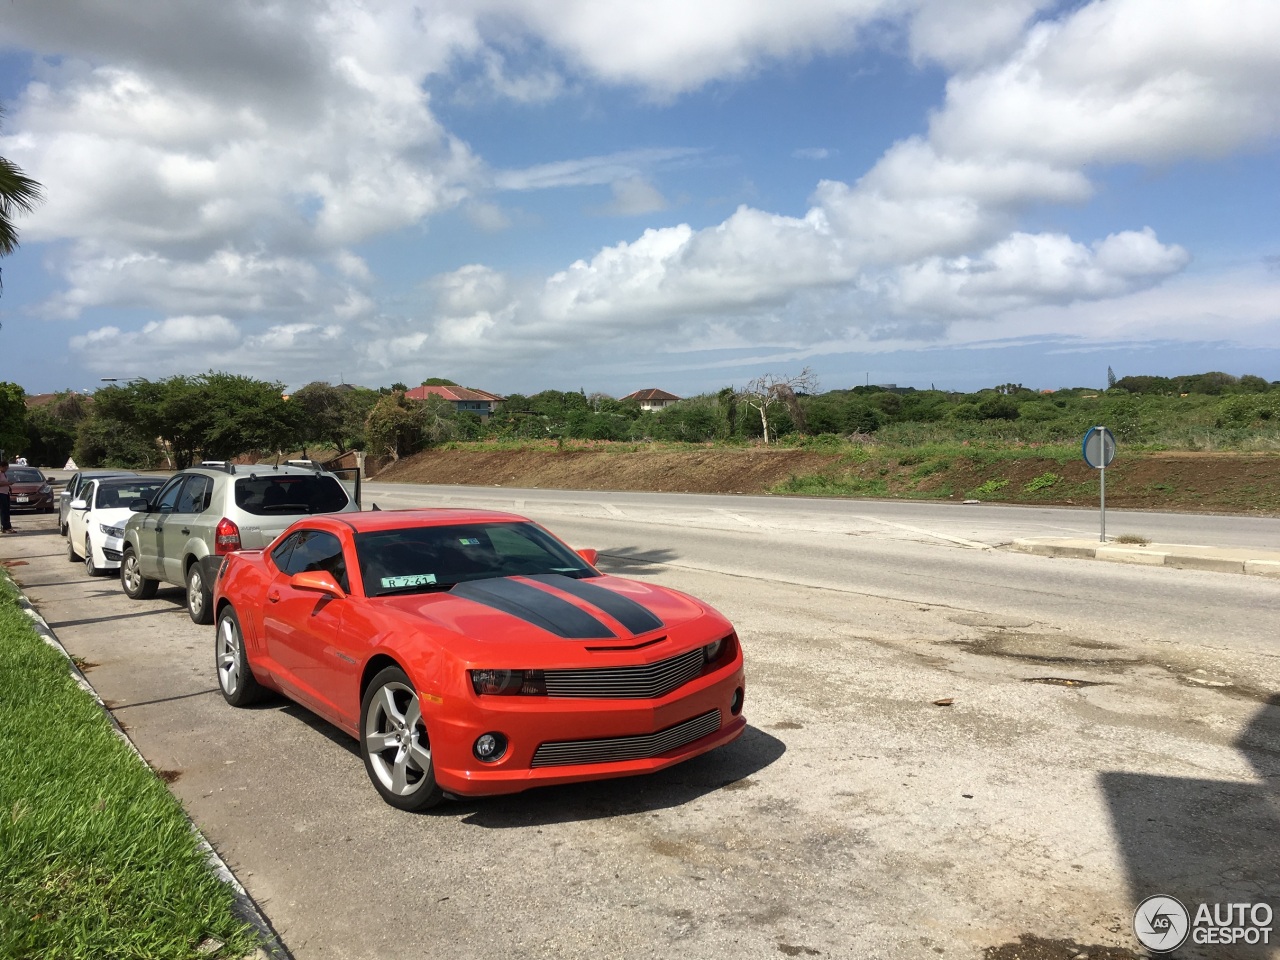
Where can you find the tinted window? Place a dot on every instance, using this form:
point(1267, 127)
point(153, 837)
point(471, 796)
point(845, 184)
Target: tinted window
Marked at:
point(314, 550)
point(430, 558)
point(169, 495)
point(195, 495)
point(280, 555)
point(290, 494)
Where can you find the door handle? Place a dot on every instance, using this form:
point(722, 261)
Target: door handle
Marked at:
point(273, 596)
point(186, 531)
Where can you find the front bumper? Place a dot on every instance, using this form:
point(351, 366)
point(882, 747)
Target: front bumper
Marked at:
point(34, 502)
point(633, 736)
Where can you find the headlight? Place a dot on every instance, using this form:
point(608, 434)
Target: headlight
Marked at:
point(711, 652)
point(509, 683)
point(112, 531)
point(46, 489)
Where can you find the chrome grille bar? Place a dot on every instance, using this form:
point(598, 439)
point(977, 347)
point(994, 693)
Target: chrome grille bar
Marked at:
point(611, 749)
point(643, 682)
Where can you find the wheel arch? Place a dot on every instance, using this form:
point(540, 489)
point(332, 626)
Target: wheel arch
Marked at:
point(375, 665)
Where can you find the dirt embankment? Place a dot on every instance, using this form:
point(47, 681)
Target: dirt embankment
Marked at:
point(1202, 482)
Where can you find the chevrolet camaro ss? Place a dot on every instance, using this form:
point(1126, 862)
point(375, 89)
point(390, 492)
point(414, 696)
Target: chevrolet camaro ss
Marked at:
point(472, 653)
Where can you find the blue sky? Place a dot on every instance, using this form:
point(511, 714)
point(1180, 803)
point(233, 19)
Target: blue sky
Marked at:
point(527, 194)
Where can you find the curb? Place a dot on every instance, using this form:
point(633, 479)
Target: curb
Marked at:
point(1157, 555)
point(245, 908)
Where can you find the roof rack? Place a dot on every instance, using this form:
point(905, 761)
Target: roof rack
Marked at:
point(226, 465)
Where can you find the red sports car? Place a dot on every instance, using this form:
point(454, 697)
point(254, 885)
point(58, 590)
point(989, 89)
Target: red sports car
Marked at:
point(473, 653)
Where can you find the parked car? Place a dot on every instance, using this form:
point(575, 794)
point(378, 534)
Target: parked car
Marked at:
point(96, 519)
point(74, 487)
point(30, 490)
point(472, 652)
point(181, 534)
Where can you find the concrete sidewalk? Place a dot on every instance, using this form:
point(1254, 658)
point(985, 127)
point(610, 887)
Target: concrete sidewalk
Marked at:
point(1250, 560)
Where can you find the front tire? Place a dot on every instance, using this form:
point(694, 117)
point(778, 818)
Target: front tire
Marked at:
point(199, 599)
point(90, 567)
point(136, 586)
point(394, 743)
point(239, 686)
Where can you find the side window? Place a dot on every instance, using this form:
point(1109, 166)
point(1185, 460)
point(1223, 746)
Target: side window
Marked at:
point(280, 555)
point(315, 550)
point(168, 495)
point(195, 495)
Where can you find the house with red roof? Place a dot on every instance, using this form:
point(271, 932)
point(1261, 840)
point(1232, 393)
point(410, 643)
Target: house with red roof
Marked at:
point(652, 399)
point(464, 400)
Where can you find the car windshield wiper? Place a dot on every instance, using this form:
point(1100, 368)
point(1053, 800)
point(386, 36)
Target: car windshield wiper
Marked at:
point(416, 588)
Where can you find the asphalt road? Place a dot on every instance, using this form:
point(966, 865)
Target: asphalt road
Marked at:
point(1113, 733)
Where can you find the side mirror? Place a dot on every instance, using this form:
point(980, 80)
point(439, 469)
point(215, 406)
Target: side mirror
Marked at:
point(319, 580)
point(138, 506)
point(79, 504)
point(589, 555)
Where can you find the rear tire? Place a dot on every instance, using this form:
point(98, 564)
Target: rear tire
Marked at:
point(239, 686)
point(72, 556)
point(136, 586)
point(199, 597)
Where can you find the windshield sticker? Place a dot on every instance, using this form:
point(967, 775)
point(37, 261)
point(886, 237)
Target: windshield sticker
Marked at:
point(469, 541)
point(413, 580)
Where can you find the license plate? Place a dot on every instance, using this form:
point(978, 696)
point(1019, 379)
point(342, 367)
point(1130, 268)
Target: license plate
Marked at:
point(20, 498)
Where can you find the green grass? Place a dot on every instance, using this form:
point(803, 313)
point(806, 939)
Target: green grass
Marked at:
point(826, 485)
point(97, 858)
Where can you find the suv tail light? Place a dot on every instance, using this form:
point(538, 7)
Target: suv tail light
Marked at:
point(226, 537)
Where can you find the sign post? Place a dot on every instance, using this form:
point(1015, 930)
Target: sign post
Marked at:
point(1099, 449)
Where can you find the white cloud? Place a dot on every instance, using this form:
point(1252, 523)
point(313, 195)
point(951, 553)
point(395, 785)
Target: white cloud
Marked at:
point(635, 196)
point(470, 289)
point(589, 171)
point(813, 153)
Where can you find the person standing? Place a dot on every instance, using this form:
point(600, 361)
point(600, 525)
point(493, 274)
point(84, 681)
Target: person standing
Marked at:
point(5, 525)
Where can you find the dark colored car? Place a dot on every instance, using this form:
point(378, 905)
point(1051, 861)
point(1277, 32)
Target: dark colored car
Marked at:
point(31, 490)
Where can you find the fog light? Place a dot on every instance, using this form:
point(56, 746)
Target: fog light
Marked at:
point(736, 706)
point(490, 747)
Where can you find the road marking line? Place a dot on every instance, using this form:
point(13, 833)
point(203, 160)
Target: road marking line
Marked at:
point(972, 544)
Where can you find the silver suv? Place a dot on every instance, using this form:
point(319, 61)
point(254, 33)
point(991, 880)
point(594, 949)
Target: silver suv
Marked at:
point(203, 513)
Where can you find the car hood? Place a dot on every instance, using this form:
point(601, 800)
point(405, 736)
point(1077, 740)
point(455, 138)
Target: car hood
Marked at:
point(605, 611)
point(27, 486)
point(111, 516)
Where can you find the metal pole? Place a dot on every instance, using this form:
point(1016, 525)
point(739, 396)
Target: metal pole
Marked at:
point(1102, 490)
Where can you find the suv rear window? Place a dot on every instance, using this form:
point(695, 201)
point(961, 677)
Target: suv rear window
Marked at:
point(290, 494)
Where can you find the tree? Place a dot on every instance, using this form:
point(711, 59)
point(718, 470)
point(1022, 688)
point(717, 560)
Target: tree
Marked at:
point(1111, 378)
point(394, 427)
point(13, 418)
point(770, 389)
point(52, 428)
point(438, 382)
point(18, 194)
point(322, 415)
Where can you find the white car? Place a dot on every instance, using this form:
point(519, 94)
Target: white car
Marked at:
point(96, 519)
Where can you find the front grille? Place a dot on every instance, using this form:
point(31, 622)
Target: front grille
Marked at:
point(643, 682)
point(612, 749)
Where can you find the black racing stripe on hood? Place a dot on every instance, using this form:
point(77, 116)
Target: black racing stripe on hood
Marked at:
point(634, 616)
point(535, 606)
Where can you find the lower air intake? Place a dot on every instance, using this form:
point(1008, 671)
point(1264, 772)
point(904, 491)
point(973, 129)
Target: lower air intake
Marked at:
point(613, 749)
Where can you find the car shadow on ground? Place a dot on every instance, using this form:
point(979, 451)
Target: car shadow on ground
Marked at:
point(673, 787)
point(685, 782)
point(1206, 841)
point(622, 561)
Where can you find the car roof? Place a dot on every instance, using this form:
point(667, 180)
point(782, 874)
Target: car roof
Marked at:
point(372, 521)
point(126, 481)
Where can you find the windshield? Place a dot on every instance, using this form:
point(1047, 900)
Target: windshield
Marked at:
point(118, 493)
point(24, 475)
point(421, 559)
